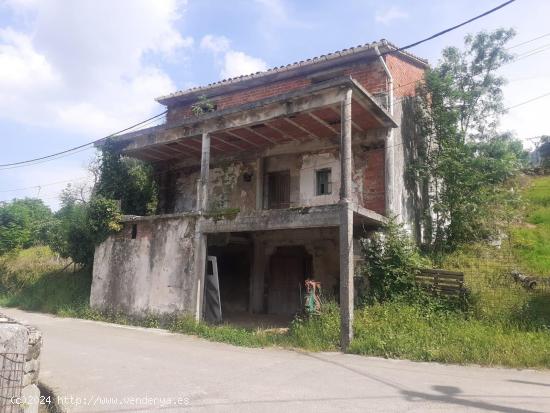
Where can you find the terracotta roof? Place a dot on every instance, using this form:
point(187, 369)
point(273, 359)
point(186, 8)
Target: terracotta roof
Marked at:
point(279, 69)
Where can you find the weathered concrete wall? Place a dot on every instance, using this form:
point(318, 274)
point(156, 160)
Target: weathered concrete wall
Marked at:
point(20, 347)
point(233, 183)
point(155, 272)
point(405, 77)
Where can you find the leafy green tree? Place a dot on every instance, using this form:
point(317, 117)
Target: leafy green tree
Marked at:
point(127, 180)
point(462, 158)
point(23, 223)
point(82, 226)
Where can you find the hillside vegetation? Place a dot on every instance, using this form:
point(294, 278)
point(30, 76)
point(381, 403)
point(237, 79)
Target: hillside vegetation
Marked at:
point(531, 239)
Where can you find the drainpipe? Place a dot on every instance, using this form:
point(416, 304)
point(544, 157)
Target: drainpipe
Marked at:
point(389, 151)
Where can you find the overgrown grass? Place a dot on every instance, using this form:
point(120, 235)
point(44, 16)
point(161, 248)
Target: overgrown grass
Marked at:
point(400, 330)
point(35, 279)
point(531, 239)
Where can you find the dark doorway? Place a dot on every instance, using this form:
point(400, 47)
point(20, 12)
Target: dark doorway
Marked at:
point(234, 276)
point(278, 190)
point(288, 269)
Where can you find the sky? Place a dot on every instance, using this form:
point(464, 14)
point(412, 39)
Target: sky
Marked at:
point(75, 71)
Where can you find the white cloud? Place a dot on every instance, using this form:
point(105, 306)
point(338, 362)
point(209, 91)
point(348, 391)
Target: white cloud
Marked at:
point(216, 44)
point(239, 63)
point(233, 62)
point(391, 14)
point(83, 66)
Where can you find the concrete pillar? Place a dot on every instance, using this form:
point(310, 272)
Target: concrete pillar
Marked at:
point(257, 277)
point(202, 196)
point(200, 271)
point(389, 156)
point(346, 227)
point(200, 238)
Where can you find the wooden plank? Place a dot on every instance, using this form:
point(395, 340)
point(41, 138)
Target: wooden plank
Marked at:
point(439, 271)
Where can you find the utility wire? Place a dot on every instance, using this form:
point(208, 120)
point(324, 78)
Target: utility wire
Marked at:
point(84, 145)
point(449, 29)
point(527, 101)
point(528, 41)
point(43, 185)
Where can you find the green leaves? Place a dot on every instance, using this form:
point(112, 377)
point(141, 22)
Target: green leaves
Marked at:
point(23, 223)
point(464, 160)
point(128, 180)
point(391, 262)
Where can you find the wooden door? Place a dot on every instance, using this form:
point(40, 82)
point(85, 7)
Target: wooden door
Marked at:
point(288, 268)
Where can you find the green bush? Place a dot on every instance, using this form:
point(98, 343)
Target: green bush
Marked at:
point(391, 263)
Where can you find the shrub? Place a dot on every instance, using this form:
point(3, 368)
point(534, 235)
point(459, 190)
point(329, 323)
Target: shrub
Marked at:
point(391, 262)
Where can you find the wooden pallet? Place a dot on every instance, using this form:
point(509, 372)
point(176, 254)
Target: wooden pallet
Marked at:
point(444, 282)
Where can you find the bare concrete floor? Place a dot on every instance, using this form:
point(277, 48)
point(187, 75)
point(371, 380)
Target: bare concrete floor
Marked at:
point(97, 367)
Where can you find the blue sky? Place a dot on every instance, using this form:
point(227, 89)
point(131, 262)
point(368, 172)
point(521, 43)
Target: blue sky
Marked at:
point(73, 71)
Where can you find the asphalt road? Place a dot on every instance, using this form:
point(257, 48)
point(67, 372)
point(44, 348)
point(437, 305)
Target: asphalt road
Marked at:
point(95, 367)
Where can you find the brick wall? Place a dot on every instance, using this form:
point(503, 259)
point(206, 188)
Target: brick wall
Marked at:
point(370, 75)
point(405, 75)
point(374, 182)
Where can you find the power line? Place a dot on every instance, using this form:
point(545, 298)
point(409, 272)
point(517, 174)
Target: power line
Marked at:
point(449, 29)
point(528, 41)
point(84, 145)
point(44, 185)
point(527, 101)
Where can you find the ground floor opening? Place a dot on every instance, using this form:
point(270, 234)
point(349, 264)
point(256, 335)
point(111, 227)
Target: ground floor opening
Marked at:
point(261, 274)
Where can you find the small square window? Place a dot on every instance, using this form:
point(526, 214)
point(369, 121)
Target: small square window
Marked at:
point(324, 184)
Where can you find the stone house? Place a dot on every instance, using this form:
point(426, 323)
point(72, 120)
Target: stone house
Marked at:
point(278, 178)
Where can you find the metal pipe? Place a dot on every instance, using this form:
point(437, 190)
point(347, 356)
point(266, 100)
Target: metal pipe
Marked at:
point(389, 152)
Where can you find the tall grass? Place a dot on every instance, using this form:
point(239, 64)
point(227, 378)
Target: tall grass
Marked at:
point(531, 239)
point(36, 279)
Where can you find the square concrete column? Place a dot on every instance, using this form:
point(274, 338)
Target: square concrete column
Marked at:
point(202, 195)
point(346, 227)
point(200, 238)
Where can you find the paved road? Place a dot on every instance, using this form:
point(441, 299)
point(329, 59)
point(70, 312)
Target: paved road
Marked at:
point(103, 363)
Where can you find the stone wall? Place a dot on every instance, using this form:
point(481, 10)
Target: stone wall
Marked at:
point(151, 273)
point(20, 347)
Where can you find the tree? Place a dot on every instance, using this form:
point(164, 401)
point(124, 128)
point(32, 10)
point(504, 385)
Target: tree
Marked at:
point(462, 157)
point(23, 223)
point(80, 226)
point(127, 180)
point(542, 152)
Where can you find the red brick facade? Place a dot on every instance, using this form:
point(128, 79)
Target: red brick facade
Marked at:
point(374, 182)
point(371, 76)
point(405, 75)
